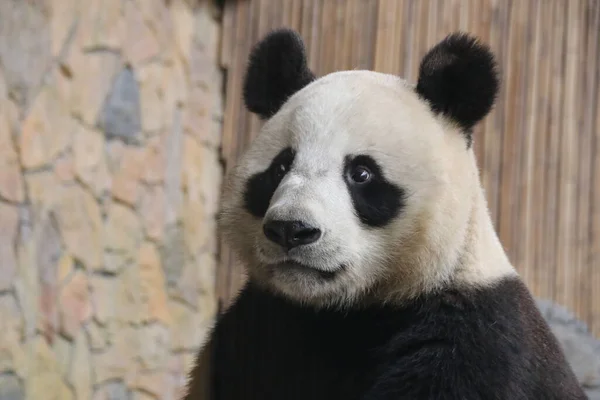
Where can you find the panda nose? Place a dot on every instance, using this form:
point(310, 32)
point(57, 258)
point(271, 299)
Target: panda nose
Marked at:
point(290, 234)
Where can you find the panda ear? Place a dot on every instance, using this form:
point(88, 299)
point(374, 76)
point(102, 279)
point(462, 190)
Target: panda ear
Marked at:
point(277, 69)
point(458, 78)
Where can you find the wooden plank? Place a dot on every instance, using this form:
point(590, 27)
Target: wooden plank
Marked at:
point(593, 263)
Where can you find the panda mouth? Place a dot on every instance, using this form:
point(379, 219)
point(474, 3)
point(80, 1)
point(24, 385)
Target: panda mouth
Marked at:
point(296, 266)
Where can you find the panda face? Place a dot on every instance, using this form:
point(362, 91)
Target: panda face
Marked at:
point(353, 183)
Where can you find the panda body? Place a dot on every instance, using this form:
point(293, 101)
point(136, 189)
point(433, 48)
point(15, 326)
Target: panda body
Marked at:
point(374, 268)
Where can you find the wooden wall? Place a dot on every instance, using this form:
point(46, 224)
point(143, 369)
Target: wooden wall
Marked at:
point(539, 150)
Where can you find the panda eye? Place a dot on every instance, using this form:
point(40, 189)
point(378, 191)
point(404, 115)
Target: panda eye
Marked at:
point(280, 170)
point(361, 174)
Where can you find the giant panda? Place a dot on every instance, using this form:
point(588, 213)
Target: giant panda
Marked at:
point(374, 270)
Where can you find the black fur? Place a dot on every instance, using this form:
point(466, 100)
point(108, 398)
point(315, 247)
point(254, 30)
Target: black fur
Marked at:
point(458, 77)
point(277, 69)
point(260, 187)
point(378, 201)
point(454, 344)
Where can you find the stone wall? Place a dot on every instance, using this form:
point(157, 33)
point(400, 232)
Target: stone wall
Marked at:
point(110, 115)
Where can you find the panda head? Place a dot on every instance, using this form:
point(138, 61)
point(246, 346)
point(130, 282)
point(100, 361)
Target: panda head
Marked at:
point(360, 185)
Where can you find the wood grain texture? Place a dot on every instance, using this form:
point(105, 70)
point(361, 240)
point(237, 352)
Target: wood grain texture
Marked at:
point(539, 149)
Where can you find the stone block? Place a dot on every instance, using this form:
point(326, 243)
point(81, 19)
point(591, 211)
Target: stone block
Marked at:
point(154, 346)
point(153, 383)
point(97, 336)
point(46, 131)
point(152, 105)
point(128, 171)
point(75, 305)
point(114, 390)
point(141, 44)
point(122, 236)
point(189, 327)
point(152, 211)
point(64, 168)
point(11, 326)
point(9, 221)
point(80, 223)
point(91, 78)
point(90, 160)
point(25, 23)
point(155, 160)
point(120, 115)
point(152, 284)
point(65, 14)
point(43, 380)
point(117, 361)
point(80, 374)
point(11, 388)
point(102, 24)
point(172, 253)
point(11, 181)
point(104, 297)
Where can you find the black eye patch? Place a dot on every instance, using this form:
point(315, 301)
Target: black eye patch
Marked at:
point(376, 200)
point(261, 186)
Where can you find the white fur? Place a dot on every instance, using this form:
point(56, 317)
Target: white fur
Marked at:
point(444, 234)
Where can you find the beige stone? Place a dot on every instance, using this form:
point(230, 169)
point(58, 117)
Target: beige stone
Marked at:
point(11, 181)
point(176, 89)
point(92, 76)
point(102, 24)
point(75, 305)
point(43, 380)
point(126, 179)
point(123, 232)
point(63, 352)
point(194, 158)
point(44, 190)
point(97, 336)
point(140, 43)
point(66, 267)
point(118, 360)
point(152, 284)
point(155, 160)
point(154, 346)
point(152, 382)
point(152, 211)
point(189, 328)
point(64, 16)
point(11, 326)
point(9, 221)
point(129, 306)
point(195, 227)
point(156, 15)
point(104, 297)
point(183, 27)
point(64, 168)
point(46, 131)
point(90, 162)
point(80, 374)
point(151, 100)
point(80, 224)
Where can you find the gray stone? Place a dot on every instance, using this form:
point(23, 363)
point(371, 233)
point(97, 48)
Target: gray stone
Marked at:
point(120, 115)
point(113, 390)
point(172, 254)
point(25, 48)
point(174, 154)
point(580, 347)
point(10, 388)
point(557, 314)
